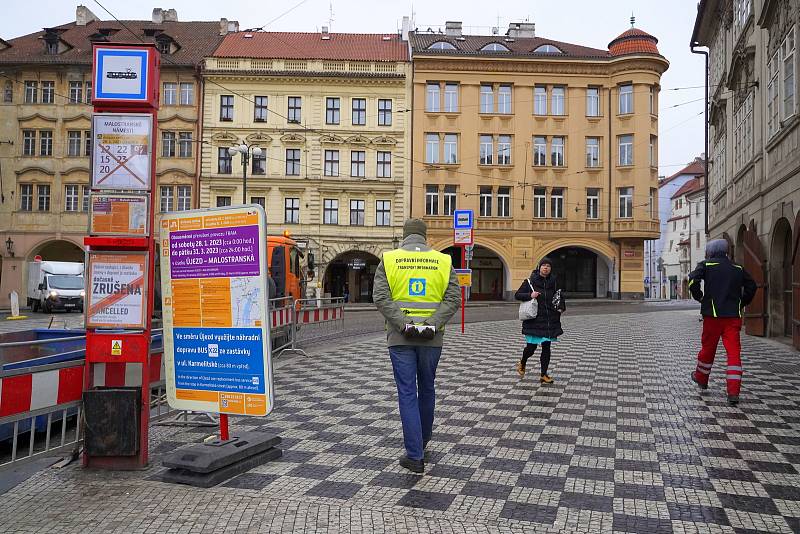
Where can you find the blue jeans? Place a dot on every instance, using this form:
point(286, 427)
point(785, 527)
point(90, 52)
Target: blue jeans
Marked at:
point(414, 373)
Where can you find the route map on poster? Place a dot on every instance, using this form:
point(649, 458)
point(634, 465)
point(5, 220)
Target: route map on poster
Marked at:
point(116, 290)
point(213, 273)
point(118, 215)
point(120, 151)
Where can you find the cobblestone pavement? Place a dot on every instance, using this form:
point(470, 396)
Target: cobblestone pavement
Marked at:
point(622, 442)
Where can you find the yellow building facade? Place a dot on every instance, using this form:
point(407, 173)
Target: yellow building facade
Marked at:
point(553, 146)
point(45, 128)
point(328, 112)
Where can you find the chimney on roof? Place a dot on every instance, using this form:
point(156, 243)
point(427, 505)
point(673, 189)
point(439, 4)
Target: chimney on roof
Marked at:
point(406, 28)
point(453, 28)
point(228, 26)
point(84, 15)
point(521, 29)
point(325, 35)
point(164, 15)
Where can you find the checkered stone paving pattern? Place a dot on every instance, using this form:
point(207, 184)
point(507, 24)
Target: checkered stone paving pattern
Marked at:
point(621, 442)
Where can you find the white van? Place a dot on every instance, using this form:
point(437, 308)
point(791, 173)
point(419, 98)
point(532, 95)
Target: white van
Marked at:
point(55, 285)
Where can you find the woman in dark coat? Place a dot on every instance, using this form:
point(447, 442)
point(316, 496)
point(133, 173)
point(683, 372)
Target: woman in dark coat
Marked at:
point(546, 327)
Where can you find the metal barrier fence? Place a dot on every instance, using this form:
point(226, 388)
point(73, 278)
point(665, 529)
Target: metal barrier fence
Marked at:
point(316, 320)
point(281, 322)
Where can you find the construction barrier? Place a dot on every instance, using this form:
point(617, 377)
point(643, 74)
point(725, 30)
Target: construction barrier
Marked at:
point(316, 320)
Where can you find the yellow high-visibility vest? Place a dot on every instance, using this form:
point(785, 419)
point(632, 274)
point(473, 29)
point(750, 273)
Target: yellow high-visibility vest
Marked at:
point(418, 280)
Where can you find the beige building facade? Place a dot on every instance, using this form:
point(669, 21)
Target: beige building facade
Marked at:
point(45, 128)
point(754, 149)
point(552, 145)
point(328, 112)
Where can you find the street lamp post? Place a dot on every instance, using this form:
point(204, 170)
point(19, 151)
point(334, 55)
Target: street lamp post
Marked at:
point(245, 151)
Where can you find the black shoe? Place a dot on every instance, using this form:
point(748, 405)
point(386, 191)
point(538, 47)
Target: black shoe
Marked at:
point(415, 466)
point(733, 400)
point(694, 379)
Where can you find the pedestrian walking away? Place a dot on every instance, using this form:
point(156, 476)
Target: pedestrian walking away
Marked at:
point(726, 289)
point(417, 292)
point(544, 329)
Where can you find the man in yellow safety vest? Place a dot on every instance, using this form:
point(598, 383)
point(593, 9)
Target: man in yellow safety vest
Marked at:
point(417, 292)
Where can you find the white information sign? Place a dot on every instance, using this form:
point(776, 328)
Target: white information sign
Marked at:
point(116, 290)
point(462, 236)
point(121, 151)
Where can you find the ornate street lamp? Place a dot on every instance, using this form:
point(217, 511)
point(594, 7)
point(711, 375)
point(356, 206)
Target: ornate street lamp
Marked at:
point(245, 151)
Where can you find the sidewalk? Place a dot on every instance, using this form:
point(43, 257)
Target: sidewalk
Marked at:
point(355, 307)
point(622, 442)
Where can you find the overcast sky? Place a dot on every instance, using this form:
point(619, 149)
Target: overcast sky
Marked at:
point(584, 22)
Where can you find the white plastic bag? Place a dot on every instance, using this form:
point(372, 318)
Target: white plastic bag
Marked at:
point(529, 309)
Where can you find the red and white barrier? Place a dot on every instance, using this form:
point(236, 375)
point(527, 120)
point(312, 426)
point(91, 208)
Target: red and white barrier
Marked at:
point(281, 317)
point(320, 315)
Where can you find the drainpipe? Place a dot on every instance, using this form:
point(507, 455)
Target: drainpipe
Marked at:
point(618, 265)
point(705, 120)
point(411, 142)
point(199, 144)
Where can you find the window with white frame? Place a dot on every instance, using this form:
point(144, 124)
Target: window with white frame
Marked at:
point(557, 98)
point(331, 163)
point(540, 100)
point(592, 101)
point(652, 100)
point(431, 200)
point(357, 213)
point(625, 202)
point(330, 211)
point(26, 197)
point(46, 143)
point(87, 143)
point(168, 144)
point(432, 148)
point(432, 98)
point(540, 151)
point(485, 198)
point(291, 210)
point(28, 142)
point(223, 201)
point(741, 14)
point(358, 163)
point(359, 111)
point(504, 201)
point(71, 197)
point(261, 201)
point(592, 152)
point(653, 204)
point(449, 199)
point(187, 94)
point(185, 144)
point(773, 94)
point(625, 149)
point(592, 203)
point(625, 99)
point(788, 76)
point(88, 86)
point(743, 133)
point(384, 164)
point(184, 197)
point(226, 107)
point(504, 99)
point(451, 148)
point(170, 93)
point(74, 143)
point(486, 149)
point(295, 107)
point(48, 92)
point(31, 91)
point(557, 203)
point(653, 154)
point(292, 162)
point(451, 98)
point(259, 163)
point(76, 92)
point(167, 198)
point(224, 161)
point(487, 99)
point(384, 112)
point(260, 108)
point(332, 110)
point(85, 198)
point(539, 202)
point(43, 197)
point(504, 150)
point(557, 152)
point(383, 213)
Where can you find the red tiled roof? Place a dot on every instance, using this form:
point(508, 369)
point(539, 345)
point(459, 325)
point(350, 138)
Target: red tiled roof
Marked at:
point(695, 168)
point(195, 39)
point(692, 186)
point(340, 46)
point(633, 41)
point(519, 46)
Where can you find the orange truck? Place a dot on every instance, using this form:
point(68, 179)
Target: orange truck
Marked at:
point(284, 259)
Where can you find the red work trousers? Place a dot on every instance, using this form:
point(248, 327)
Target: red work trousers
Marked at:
point(728, 329)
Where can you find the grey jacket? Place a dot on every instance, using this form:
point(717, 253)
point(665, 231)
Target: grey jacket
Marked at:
point(396, 320)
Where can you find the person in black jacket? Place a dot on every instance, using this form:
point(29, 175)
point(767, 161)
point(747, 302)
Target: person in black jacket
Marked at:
point(727, 289)
point(546, 327)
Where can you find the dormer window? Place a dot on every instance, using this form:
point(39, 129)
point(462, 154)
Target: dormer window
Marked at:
point(152, 32)
point(495, 47)
point(441, 45)
point(165, 44)
point(548, 49)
